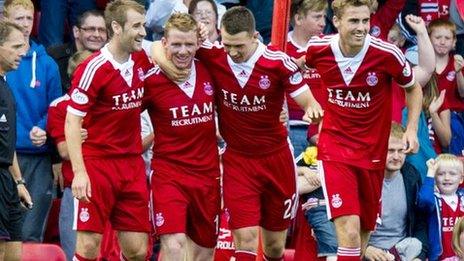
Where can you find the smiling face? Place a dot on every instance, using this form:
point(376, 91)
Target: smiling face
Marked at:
point(180, 47)
point(448, 178)
point(133, 31)
point(92, 34)
point(353, 26)
point(11, 51)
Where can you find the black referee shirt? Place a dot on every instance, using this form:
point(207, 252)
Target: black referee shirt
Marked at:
point(7, 124)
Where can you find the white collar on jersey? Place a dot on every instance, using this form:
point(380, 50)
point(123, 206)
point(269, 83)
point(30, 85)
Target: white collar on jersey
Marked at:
point(242, 71)
point(451, 200)
point(301, 49)
point(188, 87)
point(125, 69)
point(348, 65)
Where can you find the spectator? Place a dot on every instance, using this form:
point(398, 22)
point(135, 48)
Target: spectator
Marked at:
point(206, 12)
point(402, 228)
point(445, 207)
point(160, 10)
point(55, 14)
point(457, 17)
point(308, 20)
point(89, 34)
point(35, 84)
point(458, 238)
point(315, 206)
point(55, 128)
point(13, 188)
point(449, 74)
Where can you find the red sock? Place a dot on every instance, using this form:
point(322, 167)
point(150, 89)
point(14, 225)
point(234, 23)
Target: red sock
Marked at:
point(77, 257)
point(267, 258)
point(241, 255)
point(348, 253)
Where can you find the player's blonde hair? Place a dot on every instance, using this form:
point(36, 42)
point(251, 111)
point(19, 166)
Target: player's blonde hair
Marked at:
point(76, 59)
point(450, 160)
point(302, 7)
point(9, 4)
point(182, 22)
point(457, 231)
point(117, 11)
point(339, 6)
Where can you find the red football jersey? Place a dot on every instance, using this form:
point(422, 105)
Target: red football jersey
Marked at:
point(250, 97)
point(357, 115)
point(183, 121)
point(448, 219)
point(55, 129)
point(447, 81)
point(109, 95)
point(311, 76)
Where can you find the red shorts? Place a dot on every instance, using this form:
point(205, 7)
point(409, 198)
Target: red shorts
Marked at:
point(350, 190)
point(260, 191)
point(188, 204)
point(119, 194)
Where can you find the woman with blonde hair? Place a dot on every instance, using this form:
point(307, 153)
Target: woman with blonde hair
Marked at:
point(458, 238)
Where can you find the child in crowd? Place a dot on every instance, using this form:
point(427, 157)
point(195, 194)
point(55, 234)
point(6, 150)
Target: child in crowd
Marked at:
point(444, 206)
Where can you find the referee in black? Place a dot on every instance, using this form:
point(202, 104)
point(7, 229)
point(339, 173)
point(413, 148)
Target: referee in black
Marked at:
point(14, 197)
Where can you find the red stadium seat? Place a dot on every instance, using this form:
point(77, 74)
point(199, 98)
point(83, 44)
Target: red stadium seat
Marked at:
point(42, 252)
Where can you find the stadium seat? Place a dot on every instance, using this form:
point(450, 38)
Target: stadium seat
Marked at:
point(42, 252)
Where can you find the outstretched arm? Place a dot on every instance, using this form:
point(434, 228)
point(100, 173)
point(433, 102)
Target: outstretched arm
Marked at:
point(414, 105)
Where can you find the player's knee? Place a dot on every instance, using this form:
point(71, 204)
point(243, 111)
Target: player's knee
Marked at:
point(173, 243)
point(274, 248)
point(246, 240)
point(136, 253)
point(87, 246)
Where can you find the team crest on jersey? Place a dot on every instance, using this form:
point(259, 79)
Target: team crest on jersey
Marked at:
point(79, 97)
point(375, 31)
point(84, 216)
point(264, 82)
point(451, 76)
point(296, 78)
point(372, 79)
point(336, 201)
point(140, 74)
point(159, 219)
point(208, 88)
point(407, 70)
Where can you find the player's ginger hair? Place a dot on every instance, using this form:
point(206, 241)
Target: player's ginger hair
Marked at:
point(27, 4)
point(339, 6)
point(182, 22)
point(117, 11)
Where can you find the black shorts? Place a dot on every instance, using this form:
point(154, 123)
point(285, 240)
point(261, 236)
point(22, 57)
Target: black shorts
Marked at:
point(10, 208)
